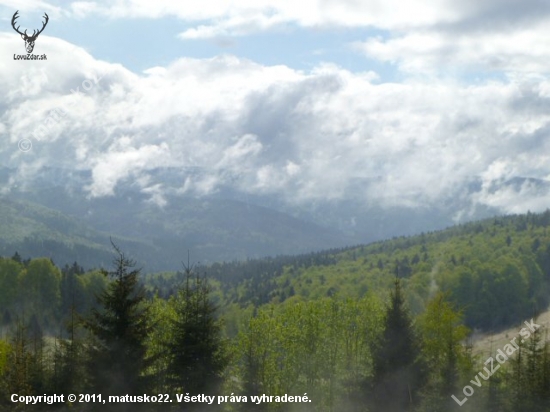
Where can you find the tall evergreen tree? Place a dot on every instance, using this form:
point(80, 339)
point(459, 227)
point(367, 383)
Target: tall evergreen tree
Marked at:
point(26, 368)
point(119, 327)
point(71, 293)
point(532, 393)
point(516, 378)
point(397, 372)
point(197, 351)
point(70, 359)
point(20, 376)
point(38, 366)
point(17, 257)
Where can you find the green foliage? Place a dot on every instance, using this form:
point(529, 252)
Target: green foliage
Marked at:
point(41, 282)
point(397, 366)
point(196, 351)
point(162, 314)
point(26, 373)
point(34, 230)
point(528, 375)
point(490, 270)
point(5, 352)
point(70, 358)
point(442, 335)
point(305, 324)
point(120, 328)
point(9, 272)
point(318, 347)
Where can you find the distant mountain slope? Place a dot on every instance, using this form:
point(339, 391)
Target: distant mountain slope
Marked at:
point(158, 237)
point(497, 271)
point(33, 230)
point(352, 218)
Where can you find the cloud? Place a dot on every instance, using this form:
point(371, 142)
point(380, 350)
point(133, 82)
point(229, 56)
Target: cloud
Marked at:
point(522, 50)
point(351, 13)
point(32, 5)
point(236, 25)
point(420, 36)
point(470, 38)
point(384, 14)
point(300, 136)
point(442, 38)
point(121, 161)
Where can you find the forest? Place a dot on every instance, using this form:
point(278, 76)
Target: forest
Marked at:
point(387, 326)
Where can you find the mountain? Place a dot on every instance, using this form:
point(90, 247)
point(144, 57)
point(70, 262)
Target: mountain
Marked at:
point(227, 224)
point(75, 228)
point(33, 230)
point(497, 271)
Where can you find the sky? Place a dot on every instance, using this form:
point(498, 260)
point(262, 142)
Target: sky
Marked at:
point(388, 102)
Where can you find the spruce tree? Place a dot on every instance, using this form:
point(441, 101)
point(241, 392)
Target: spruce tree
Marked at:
point(70, 289)
point(119, 328)
point(38, 367)
point(545, 373)
point(16, 378)
point(70, 359)
point(197, 355)
point(533, 393)
point(397, 372)
point(516, 378)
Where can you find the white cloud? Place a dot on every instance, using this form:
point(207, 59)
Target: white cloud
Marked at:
point(524, 49)
point(264, 13)
point(82, 9)
point(156, 195)
point(302, 136)
point(237, 25)
point(236, 155)
point(443, 37)
point(125, 160)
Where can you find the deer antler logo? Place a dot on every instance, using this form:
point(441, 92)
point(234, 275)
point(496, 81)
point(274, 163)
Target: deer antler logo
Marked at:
point(29, 40)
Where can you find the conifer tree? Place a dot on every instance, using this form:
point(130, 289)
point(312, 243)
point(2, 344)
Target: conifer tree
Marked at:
point(533, 399)
point(17, 257)
point(516, 378)
point(38, 366)
point(69, 287)
point(545, 373)
point(397, 372)
point(119, 329)
point(70, 360)
point(16, 378)
point(197, 351)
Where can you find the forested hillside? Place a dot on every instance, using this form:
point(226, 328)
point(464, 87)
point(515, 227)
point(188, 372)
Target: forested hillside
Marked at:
point(73, 228)
point(34, 230)
point(496, 270)
point(377, 327)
